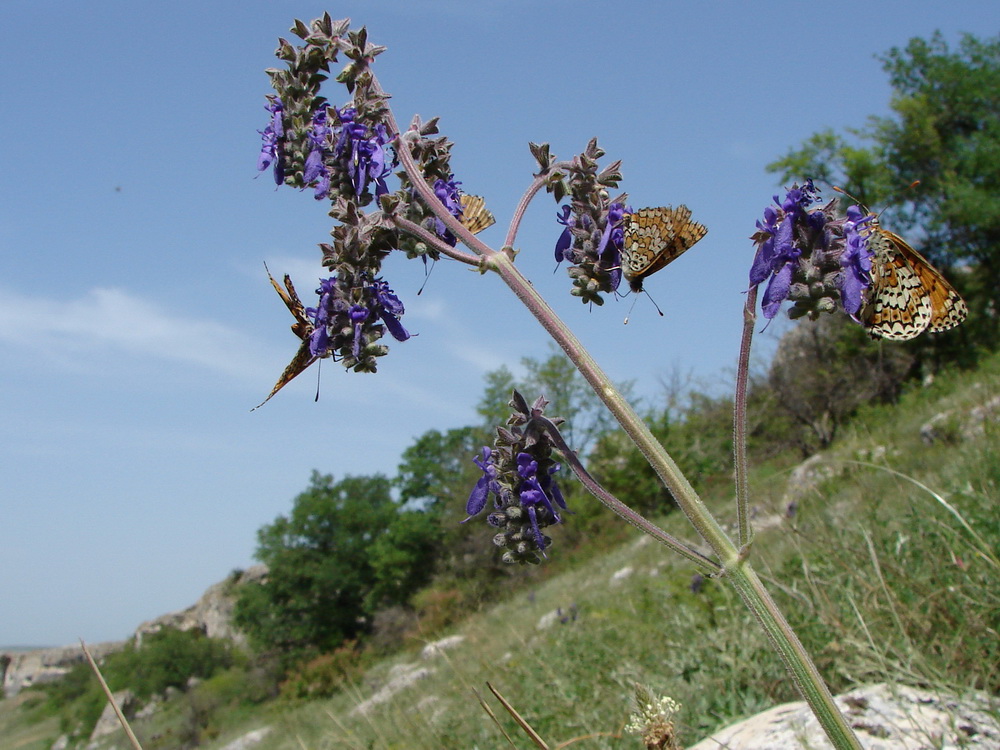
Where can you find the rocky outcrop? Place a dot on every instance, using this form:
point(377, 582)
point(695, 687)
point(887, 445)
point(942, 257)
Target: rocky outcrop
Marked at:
point(955, 425)
point(211, 614)
point(884, 717)
point(27, 668)
point(108, 723)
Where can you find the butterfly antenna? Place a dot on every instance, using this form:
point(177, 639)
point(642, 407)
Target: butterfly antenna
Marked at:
point(427, 275)
point(654, 302)
point(630, 309)
point(319, 369)
point(633, 306)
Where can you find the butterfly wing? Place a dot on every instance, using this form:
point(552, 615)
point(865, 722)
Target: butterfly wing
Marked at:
point(302, 327)
point(653, 238)
point(908, 294)
point(948, 309)
point(302, 359)
point(475, 216)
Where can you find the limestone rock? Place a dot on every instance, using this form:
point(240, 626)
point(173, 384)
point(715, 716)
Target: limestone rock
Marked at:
point(212, 614)
point(884, 717)
point(41, 665)
point(401, 677)
point(248, 740)
point(108, 723)
point(436, 648)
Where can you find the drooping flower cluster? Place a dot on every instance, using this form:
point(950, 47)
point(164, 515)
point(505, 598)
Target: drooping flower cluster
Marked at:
point(810, 256)
point(346, 322)
point(346, 155)
point(592, 238)
point(519, 473)
point(271, 141)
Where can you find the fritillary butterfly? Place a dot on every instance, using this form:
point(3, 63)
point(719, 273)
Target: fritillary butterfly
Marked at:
point(653, 238)
point(302, 327)
point(475, 216)
point(908, 295)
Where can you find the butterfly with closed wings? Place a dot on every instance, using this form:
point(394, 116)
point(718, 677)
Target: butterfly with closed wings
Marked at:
point(475, 217)
point(302, 327)
point(908, 295)
point(653, 238)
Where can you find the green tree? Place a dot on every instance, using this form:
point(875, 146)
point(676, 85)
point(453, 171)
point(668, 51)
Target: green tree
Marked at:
point(168, 658)
point(944, 132)
point(821, 373)
point(402, 559)
point(437, 470)
point(321, 574)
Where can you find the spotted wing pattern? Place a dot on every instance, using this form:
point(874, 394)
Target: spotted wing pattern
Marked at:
point(302, 327)
point(653, 238)
point(475, 216)
point(908, 295)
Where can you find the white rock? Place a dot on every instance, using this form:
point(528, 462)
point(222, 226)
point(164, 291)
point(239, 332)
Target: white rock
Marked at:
point(622, 573)
point(439, 647)
point(248, 740)
point(401, 677)
point(883, 717)
point(108, 722)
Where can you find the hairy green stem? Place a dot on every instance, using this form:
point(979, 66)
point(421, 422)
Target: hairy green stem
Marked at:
point(803, 672)
point(740, 464)
point(621, 509)
point(739, 572)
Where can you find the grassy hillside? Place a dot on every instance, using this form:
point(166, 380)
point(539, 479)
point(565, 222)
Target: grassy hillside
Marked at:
point(888, 569)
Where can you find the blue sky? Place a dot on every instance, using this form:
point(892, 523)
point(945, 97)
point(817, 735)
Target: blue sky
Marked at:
point(137, 326)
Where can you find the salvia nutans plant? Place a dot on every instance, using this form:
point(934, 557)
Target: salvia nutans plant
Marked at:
point(393, 190)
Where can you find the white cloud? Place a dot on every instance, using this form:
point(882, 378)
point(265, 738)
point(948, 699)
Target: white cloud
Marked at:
point(111, 322)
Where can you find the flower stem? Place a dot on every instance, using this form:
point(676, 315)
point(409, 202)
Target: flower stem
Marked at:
point(740, 422)
point(734, 567)
point(738, 570)
point(616, 506)
point(804, 673)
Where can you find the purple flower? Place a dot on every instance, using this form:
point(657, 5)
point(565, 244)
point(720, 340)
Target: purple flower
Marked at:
point(358, 315)
point(532, 496)
point(270, 150)
point(519, 473)
point(322, 316)
point(605, 256)
point(448, 193)
point(610, 248)
point(564, 244)
point(486, 484)
point(856, 262)
point(364, 152)
point(389, 308)
point(810, 256)
point(315, 169)
point(777, 252)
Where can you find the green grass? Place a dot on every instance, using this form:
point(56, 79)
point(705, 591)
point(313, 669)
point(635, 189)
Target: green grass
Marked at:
point(25, 724)
point(883, 579)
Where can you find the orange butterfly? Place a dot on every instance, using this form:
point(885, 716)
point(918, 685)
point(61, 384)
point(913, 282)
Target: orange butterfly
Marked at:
point(303, 328)
point(653, 238)
point(908, 295)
